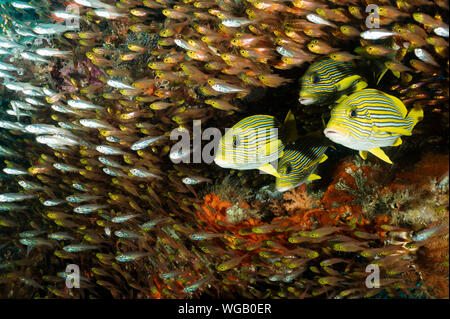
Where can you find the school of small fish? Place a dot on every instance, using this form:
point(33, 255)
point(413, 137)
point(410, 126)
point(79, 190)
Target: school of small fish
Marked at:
point(91, 91)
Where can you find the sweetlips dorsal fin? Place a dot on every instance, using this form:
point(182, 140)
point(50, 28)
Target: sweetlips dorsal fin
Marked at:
point(269, 169)
point(378, 152)
point(290, 128)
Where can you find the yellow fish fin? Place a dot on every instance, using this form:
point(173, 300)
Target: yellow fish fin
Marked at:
point(313, 177)
point(416, 114)
point(363, 154)
point(323, 158)
point(381, 75)
point(347, 82)
point(378, 152)
point(269, 169)
point(397, 142)
point(290, 127)
point(360, 85)
point(396, 74)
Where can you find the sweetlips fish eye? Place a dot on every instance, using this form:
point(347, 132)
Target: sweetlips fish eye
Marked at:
point(289, 169)
point(315, 78)
point(353, 113)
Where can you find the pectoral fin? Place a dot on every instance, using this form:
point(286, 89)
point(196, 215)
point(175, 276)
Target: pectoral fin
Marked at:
point(397, 142)
point(347, 82)
point(313, 177)
point(378, 152)
point(324, 158)
point(363, 154)
point(269, 169)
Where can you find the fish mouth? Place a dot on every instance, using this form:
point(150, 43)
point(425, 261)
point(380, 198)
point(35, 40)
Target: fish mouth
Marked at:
point(306, 100)
point(332, 132)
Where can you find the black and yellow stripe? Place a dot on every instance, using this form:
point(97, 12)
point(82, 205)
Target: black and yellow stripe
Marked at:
point(252, 142)
point(299, 160)
point(371, 114)
point(323, 76)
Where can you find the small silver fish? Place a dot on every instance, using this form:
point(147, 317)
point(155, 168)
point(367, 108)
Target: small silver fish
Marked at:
point(66, 167)
point(191, 180)
point(95, 124)
point(131, 256)
point(153, 223)
point(33, 57)
point(60, 236)
point(53, 202)
point(123, 218)
point(441, 31)
point(184, 45)
point(14, 197)
point(113, 172)
point(30, 233)
point(30, 185)
point(50, 52)
point(87, 209)
point(75, 248)
point(377, 34)
point(119, 85)
point(81, 198)
point(236, 22)
point(109, 150)
point(83, 105)
point(124, 233)
point(425, 56)
point(22, 5)
point(143, 173)
point(314, 18)
point(109, 162)
point(145, 142)
point(15, 171)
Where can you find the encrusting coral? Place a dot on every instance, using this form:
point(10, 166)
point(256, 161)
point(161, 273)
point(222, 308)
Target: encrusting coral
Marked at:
point(147, 68)
point(339, 228)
